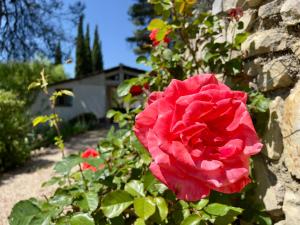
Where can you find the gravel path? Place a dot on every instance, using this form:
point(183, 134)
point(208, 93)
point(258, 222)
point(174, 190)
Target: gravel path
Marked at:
point(25, 182)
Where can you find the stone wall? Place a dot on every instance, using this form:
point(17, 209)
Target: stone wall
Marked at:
point(272, 65)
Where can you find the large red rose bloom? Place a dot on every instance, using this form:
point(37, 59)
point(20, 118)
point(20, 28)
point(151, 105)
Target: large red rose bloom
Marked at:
point(200, 136)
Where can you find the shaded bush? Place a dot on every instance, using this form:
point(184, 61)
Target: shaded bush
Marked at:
point(14, 148)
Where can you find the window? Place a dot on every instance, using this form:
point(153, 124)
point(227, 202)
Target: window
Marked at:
point(115, 77)
point(64, 100)
point(128, 76)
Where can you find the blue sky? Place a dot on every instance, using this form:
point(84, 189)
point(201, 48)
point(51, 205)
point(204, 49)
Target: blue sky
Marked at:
point(114, 26)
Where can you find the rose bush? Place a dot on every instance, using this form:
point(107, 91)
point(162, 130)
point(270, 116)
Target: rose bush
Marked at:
point(200, 136)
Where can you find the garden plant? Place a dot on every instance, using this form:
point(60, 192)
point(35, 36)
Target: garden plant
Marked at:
point(181, 152)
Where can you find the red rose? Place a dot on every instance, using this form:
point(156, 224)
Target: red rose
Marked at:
point(236, 13)
point(136, 90)
point(90, 152)
point(155, 42)
point(200, 137)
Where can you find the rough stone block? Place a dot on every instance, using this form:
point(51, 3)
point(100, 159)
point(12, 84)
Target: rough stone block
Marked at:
point(291, 132)
point(291, 207)
point(290, 12)
point(265, 41)
point(276, 74)
point(270, 9)
point(273, 143)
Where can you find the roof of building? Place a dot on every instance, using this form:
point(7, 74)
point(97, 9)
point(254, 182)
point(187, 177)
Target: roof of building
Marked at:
point(116, 68)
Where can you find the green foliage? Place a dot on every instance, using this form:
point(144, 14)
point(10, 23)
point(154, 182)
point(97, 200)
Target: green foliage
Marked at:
point(81, 63)
point(141, 13)
point(17, 77)
point(97, 58)
point(14, 147)
point(88, 57)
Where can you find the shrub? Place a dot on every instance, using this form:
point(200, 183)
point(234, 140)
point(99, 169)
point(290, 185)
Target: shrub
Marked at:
point(14, 148)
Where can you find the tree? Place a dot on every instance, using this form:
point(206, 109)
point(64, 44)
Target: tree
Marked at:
point(97, 53)
point(141, 13)
point(58, 55)
point(80, 67)
point(88, 57)
point(31, 27)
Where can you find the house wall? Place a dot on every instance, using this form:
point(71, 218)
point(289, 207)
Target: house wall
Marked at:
point(272, 65)
point(89, 97)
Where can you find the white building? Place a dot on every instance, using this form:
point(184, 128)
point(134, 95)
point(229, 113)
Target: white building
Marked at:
point(92, 95)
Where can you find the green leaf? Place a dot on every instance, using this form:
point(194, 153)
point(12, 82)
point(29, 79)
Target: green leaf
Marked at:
point(167, 54)
point(124, 88)
point(240, 38)
point(141, 59)
point(114, 203)
point(201, 204)
point(135, 188)
point(34, 85)
point(191, 220)
point(224, 214)
point(156, 24)
point(92, 199)
point(217, 209)
point(40, 119)
point(110, 113)
point(82, 219)
point(23, 213)
point(66, 92)
point(139, 221)
point(65, 166)
point(144, 207)
point(162, 207)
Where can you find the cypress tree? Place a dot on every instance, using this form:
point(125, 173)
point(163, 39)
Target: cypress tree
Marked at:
point(80, 51)
point(97, 53)
point(58, 55)
point(89, 64)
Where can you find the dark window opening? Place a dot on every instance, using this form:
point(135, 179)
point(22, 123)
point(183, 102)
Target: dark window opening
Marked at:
point(114, 77)
point(64, 100)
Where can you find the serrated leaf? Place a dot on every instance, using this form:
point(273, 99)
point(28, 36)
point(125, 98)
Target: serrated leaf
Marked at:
point(217, 209)
point(23, 213)
point(191, 220)
point(144, 207)
point(82, 219)
point(135, 188)
point(162, 207)
point(65, 166)
point(114, 203)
